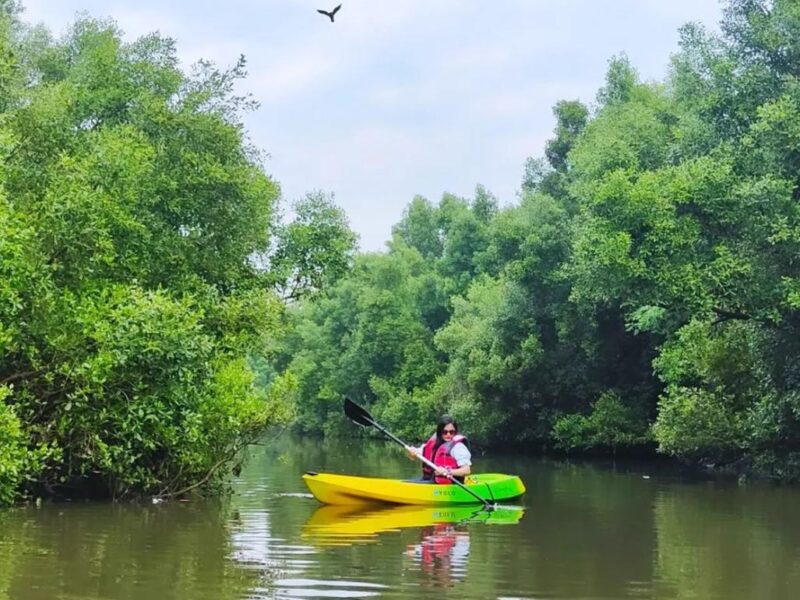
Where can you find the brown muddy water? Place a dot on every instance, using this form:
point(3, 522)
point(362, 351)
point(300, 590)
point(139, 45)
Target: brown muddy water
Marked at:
point(586, 531)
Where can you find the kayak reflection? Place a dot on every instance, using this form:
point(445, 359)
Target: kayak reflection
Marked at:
point(349, 524)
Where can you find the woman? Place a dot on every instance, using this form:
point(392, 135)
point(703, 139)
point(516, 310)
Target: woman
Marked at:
point(447, 450)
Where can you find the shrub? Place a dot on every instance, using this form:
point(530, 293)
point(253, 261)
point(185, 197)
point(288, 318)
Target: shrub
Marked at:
point(14, 455)
point(611, 424)
point(695, 423)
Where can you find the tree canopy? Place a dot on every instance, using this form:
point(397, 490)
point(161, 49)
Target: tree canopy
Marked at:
point(134, 304)
point(643, 293)
point(157, 311)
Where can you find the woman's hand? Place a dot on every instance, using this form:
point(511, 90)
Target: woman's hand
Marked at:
point(458, 472)
point(413, 453)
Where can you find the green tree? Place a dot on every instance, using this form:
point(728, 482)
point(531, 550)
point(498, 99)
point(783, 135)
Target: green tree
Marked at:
point(314, 250)
point(131, 213)
point(419, 228)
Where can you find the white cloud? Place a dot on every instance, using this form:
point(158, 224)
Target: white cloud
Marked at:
point(281, 80)
point(400, 98)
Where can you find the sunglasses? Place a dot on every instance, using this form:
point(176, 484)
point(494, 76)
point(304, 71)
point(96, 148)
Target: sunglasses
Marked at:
point(448, 431)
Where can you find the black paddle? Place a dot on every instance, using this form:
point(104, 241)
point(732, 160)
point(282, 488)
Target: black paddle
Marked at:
point(359, 415)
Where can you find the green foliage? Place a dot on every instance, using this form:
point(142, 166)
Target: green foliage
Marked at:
point(571, 117)
point(645, 286)
point(464, 231)
point(489, 350)
point(696, 423)
point(419, 229)
point(610, 424)
point(20, 463)
point(150, 404)
point(621, 82)
point(12, 460)
point(633, 136)
point(368, 328)
point(411, 413)
point(485, 338)
point(314, 250)
point(372, 336)
point(134, 301)
point(726, 396)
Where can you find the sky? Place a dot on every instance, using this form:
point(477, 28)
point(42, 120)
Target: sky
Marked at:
point(403, 98)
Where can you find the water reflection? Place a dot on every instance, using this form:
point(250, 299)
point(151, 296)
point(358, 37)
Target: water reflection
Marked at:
point(352, 524)
point(589, 531)
point(100, 550)
point(442, 554)
point(436, 542)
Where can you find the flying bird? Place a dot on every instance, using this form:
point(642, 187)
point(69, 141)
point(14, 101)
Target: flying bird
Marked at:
point(329, 14)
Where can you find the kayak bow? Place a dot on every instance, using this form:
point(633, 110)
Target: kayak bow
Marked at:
point(331, 488)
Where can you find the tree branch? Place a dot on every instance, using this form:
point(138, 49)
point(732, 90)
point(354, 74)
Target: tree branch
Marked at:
point(18, 376)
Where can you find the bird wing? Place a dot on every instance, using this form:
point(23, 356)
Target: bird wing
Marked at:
point(324, 12)
point(334, 11)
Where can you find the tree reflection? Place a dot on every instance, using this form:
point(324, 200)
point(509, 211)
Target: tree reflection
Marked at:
point(110, 551)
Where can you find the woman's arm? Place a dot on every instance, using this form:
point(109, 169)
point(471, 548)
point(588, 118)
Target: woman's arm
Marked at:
point(464, 460)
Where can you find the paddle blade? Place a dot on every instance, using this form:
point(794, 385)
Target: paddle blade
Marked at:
point(357, 414)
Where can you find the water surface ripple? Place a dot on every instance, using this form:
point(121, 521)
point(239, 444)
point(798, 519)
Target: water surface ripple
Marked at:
point(585, 531)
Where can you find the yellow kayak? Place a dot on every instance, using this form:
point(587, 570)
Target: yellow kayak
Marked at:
point(330, 488)
point(347, 524)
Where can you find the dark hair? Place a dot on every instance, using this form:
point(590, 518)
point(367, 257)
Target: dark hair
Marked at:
point(444, 422)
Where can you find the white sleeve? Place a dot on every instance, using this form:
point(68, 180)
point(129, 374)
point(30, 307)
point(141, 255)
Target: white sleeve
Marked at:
point(461, 454)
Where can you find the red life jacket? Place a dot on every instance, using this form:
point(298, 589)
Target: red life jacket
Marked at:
point(442, 458)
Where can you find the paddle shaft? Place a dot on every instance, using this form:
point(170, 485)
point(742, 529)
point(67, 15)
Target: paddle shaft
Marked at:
point(366, 416)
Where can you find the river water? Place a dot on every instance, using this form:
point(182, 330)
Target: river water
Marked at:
point(585, 531)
